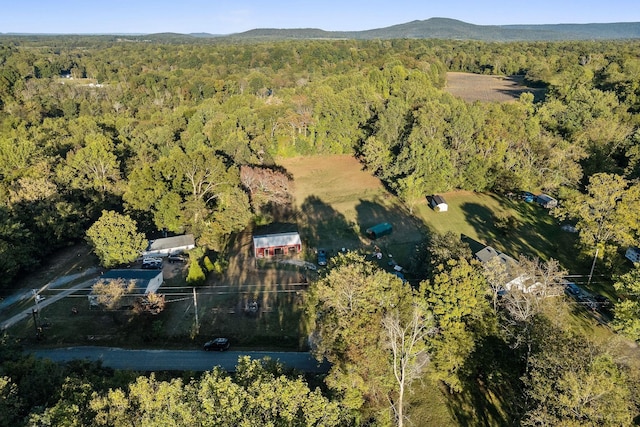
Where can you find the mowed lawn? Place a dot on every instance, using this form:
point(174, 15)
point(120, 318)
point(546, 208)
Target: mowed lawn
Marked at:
point(532, 230)
point(338, 181)
point(336, 196)
point(337, 201)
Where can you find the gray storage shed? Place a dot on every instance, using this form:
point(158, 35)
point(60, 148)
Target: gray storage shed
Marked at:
point(546, 201)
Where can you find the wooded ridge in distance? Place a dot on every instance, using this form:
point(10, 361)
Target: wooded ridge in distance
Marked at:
point(444, 28)
point(441, 28)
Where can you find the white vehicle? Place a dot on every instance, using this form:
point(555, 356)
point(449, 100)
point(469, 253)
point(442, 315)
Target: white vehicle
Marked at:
point(152, 263)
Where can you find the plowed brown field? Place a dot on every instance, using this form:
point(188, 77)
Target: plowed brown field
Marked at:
point(477, 87)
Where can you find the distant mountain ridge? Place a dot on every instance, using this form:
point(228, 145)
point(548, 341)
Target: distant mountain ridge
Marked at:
point(444, 28)
point(433, 28)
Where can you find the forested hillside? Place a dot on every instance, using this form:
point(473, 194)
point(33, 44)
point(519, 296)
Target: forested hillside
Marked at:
point(452, 29)
point(160, 131)
point(166, 133)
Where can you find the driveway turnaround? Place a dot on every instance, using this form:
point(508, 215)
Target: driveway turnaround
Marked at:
point(176, 360)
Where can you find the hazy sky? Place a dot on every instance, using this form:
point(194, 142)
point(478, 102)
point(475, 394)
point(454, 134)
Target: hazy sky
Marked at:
point(225, 17)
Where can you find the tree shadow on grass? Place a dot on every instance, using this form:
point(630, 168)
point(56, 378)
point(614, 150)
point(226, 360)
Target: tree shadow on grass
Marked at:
point(407, 231)
point(540, 234)
point(490, 392)
point(481, 219)
point(518, 228)
point(323, 226)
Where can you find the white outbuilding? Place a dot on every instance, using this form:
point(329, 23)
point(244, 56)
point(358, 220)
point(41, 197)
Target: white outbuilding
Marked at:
point(438, 203)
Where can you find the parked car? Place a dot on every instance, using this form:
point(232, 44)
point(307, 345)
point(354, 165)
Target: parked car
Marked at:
point(322, 257)
point(217, 344)
point(176, 258)
point(573, 289)
point(602, 301)
point(152, 263)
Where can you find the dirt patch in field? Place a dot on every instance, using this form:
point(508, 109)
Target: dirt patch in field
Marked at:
point(478, 87)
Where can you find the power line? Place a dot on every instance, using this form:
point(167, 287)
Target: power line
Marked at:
point(178, 294)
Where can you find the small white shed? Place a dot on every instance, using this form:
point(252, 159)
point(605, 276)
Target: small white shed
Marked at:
point(438, 203)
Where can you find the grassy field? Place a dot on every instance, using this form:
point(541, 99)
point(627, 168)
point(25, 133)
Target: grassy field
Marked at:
point(530, 229)
point(335, 201)
point(338, 201)
point(478, 87)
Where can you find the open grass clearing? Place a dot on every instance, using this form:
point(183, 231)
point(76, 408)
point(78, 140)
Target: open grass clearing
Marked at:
point(484, 88)
point(337, 201)
point(532, 230)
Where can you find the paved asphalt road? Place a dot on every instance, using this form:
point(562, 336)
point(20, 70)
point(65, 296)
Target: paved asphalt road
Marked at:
point(26, 313)
point(176, 360)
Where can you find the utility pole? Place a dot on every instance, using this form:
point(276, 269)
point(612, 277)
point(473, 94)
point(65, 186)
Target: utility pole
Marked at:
point(35, 312)
point(195, 305)
point(593, 266)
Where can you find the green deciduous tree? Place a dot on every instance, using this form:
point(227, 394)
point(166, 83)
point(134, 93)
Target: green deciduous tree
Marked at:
point(367, 327)
point(195, 275)
point(93, 166)
point(115, 239)
point(627, 310)
point(456, 297)
point(71, 409)
point(255, 395)
point(441, 248)
point(10, 403)
point(108, 293)
point(609, 212)
point(571, 382)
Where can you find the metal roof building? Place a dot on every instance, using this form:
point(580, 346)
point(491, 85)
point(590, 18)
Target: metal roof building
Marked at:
point(168, 245)
point(277, 244)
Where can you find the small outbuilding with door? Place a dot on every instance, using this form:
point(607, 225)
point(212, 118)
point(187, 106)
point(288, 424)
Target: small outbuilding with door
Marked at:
point(546, 201)
point(438, 203)
point(277, 244)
